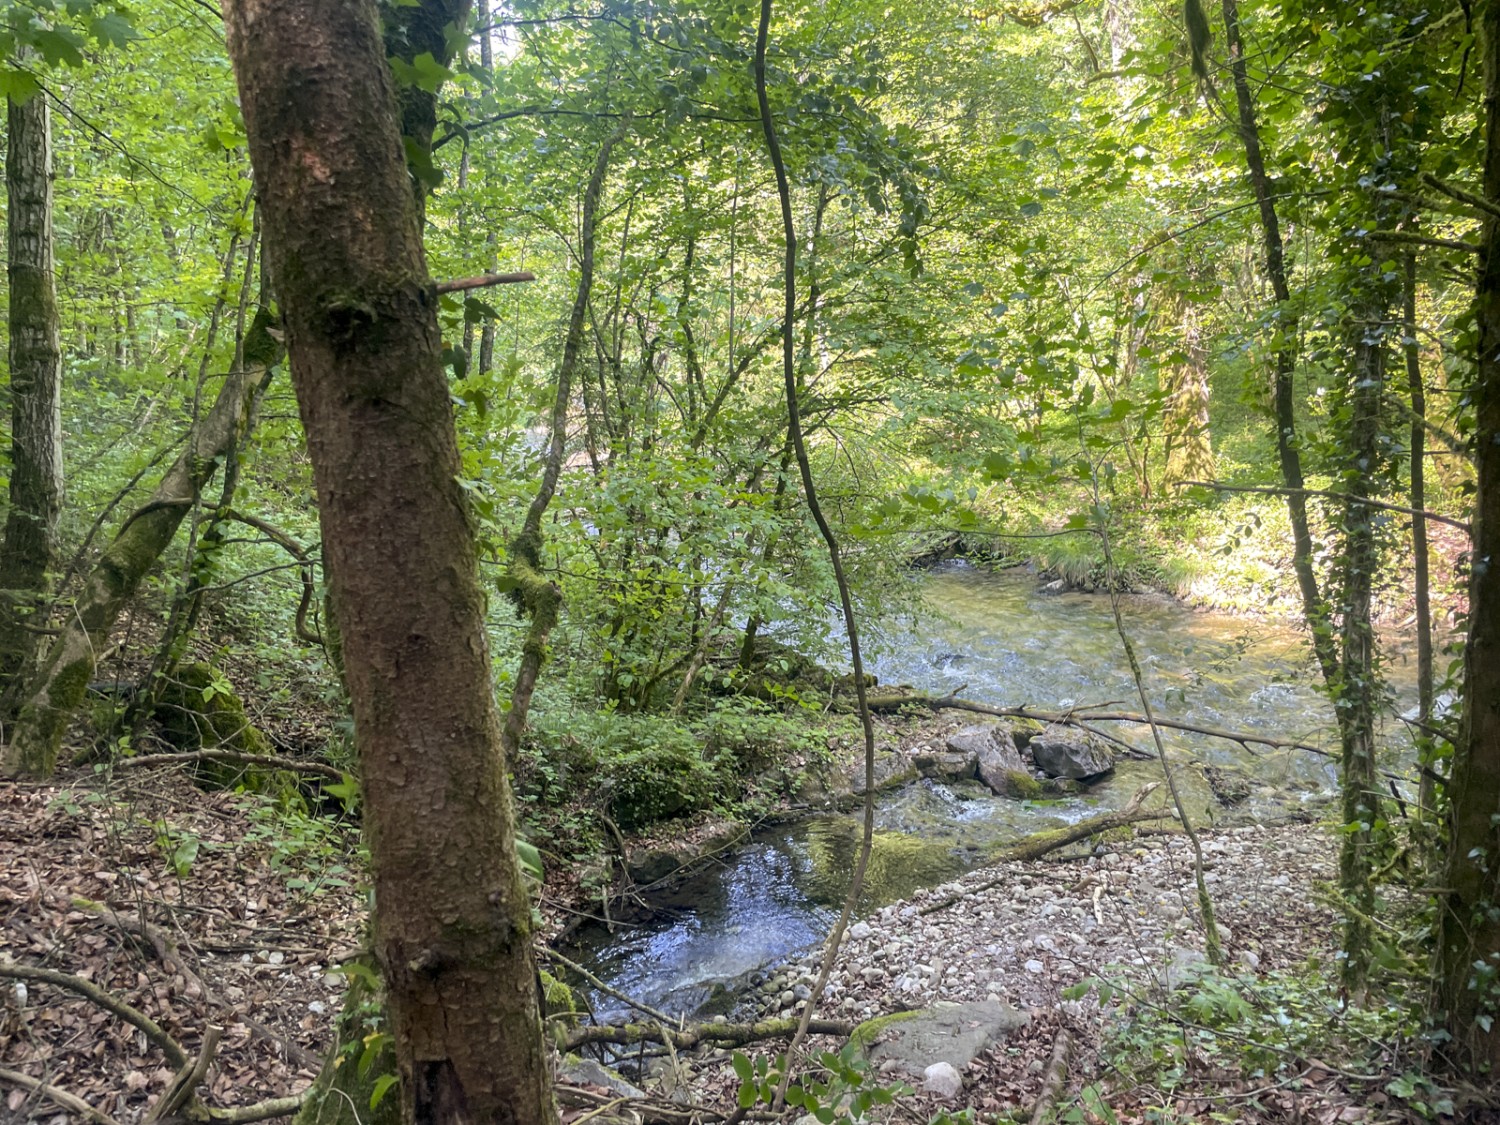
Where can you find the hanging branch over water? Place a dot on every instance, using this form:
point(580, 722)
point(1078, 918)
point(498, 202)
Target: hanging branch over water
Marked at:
point(1363, 501)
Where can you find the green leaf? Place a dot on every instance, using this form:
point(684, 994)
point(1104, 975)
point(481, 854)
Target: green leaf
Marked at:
point(423, 72)
point(742, 1068)
point(378, 1091)
point(18, 85)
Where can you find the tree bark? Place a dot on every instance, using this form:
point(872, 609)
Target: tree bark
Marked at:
point(1358, 694)
point(1466, 997)
point(36, 468)
point(58, 689)
point(452, 920)
point(1421, 580)
point(1314, 608)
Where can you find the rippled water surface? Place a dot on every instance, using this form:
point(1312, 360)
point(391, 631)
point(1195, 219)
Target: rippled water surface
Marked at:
point(1002, 641)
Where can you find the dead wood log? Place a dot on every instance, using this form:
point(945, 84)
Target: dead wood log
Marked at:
point(1053, 1079)
point(734, 1034)
point(236, 757)
point(1041, 843)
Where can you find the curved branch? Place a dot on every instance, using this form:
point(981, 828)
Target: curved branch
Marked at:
point(91, 991)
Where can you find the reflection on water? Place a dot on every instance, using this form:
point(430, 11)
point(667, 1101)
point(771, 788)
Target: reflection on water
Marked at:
point(1007, 644)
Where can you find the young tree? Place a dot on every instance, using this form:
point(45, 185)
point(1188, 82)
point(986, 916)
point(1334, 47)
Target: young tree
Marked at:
point(29, 551)
point(1466, 999)
point(452, 922)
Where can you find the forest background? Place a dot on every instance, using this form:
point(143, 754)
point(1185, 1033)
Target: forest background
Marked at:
point(1060, 266)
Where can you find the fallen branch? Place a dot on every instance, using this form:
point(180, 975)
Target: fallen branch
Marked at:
point(187, 1079)
point(91, 991)
point(265, 761)
point(484, 281)
point(61, 1097)
point(1053, 1079)
point(1041, 843)
point(601, 986)
point(1076, 718)
point(735, 1034)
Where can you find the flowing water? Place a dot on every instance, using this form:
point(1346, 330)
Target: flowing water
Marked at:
point(1001, 641)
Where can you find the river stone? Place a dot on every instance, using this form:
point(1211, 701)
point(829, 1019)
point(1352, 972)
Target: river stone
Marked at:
point(944, 1033)
point(996, 758)
point(587, 1072)
point(946, 764)
point(941, 1079)
point(1061, 752)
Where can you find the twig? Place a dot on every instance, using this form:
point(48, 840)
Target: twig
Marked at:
point(237, 757)
point(1364, 501)
point(91, 991)
point(645, 1009)
point(61, 1097)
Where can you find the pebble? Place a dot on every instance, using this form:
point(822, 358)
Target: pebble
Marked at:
point(1036, 931)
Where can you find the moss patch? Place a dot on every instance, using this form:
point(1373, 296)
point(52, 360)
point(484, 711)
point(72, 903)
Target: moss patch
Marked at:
point(863, 1037)
point(198, 710)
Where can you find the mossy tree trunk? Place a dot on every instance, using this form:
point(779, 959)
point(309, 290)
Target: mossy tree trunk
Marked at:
point(50, 701)
point(29, 552)
point(1466, 999)
point(452, 921)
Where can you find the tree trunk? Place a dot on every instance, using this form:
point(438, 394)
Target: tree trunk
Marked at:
point(1358, 695)
point(1314, 609)
point(52, 698)
point(452, 920)
point(36, 477)
point(1466, 999)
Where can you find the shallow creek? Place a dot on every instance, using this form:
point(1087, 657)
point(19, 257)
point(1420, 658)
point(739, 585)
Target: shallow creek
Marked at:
point(1004, 642)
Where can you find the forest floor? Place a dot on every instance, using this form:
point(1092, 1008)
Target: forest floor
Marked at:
point(201, 909)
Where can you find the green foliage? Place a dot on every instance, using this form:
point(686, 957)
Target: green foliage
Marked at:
point(842, 1087)
point(311, 853)
point(1260, 1027)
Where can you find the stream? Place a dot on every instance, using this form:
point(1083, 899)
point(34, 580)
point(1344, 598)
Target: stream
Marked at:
point(1002, 641)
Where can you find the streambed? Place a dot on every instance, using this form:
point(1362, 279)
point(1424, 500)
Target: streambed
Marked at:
point(1004, 642)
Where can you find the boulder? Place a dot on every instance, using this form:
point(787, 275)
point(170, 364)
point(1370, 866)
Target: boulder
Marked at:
point(1060, 751)
point(892, 770)
point(997, 761)
point(946, 765)
point(913, 1042)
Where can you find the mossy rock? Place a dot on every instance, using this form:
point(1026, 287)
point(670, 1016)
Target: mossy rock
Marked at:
point(649, 784)
point(1019, 783)
point(198, 710)
point(1024, 730)
point(863, 1037)
point(557, 997)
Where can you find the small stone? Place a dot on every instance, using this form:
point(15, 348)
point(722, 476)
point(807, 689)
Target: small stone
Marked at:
point(788, 998)
point(860, 930)
point(317, 1007)
point(1034, 966)
point(943, 1080)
